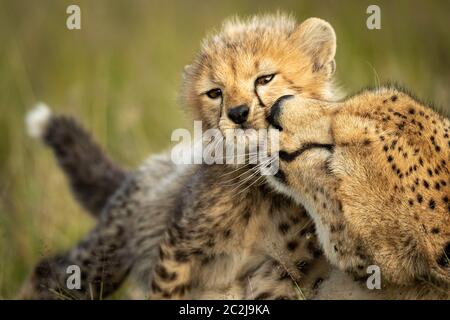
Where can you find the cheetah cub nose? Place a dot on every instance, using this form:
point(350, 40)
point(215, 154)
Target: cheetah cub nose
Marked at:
point(239, 114)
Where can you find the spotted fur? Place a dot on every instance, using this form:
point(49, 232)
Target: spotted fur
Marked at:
point(373, 172)
point(190, 235)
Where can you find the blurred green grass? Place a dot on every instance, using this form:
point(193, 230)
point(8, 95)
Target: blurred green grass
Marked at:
point(119, 75)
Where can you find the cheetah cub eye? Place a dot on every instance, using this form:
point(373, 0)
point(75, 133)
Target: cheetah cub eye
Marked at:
point(263, 80)
point(214, 93)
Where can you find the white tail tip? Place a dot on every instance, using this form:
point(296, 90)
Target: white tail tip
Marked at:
point(37, 119)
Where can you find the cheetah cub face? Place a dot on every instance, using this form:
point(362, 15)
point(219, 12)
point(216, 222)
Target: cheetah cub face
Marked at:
point(241, 70)
point(373, 173)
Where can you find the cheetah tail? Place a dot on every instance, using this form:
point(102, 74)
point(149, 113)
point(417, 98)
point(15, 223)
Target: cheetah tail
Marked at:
point(93, 177)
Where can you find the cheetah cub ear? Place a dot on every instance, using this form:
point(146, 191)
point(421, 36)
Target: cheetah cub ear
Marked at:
point(318, 41)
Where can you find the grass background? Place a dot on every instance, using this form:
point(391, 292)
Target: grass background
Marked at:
point(119, 75)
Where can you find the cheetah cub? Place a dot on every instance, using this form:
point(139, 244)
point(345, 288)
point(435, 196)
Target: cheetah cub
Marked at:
point(373, 172)
point(245, 241)
point(189, 234)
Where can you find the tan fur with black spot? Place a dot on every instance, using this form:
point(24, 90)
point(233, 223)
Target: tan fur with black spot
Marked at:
point(373, 172)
